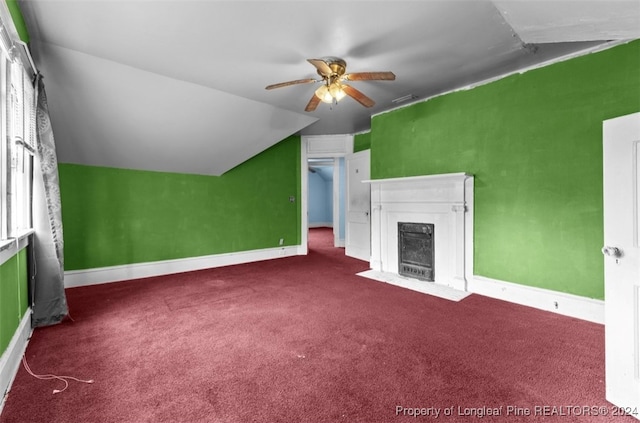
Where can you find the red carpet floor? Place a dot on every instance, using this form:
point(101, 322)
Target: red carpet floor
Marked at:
point(303, 339)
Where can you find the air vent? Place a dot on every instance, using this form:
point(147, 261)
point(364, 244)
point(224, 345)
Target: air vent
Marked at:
point(404, 98)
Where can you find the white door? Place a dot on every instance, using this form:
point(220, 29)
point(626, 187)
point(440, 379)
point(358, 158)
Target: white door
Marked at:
point(622, 260)
point(358, 224)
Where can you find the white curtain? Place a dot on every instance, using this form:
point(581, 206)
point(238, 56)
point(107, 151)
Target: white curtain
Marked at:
point(50, 303)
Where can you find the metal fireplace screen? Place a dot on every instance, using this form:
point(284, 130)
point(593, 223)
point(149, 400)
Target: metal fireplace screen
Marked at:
point(416, 250)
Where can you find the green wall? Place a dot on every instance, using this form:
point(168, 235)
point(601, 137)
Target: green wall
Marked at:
point(14, 300)
point(116, 216)
point(534, 143)
point(361, 142)
point(18, 20)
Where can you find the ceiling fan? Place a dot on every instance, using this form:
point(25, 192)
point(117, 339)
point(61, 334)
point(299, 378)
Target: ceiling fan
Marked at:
point(332, 70)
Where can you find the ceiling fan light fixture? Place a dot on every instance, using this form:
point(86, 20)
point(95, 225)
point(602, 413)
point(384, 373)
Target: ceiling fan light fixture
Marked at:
point(336, 91)
point(324, 95)
point(331, 93)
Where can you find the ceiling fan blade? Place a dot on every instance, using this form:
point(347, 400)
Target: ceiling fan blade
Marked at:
point(312, 104)
point(370, 76)
point(322, 66)
point(286, 84)
point(358, 96)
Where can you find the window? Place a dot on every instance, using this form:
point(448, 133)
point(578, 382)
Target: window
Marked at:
point(17, 140)
point(5, 162)
point(22, 141)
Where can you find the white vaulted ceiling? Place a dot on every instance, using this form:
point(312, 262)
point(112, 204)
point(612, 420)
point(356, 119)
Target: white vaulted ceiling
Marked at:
point(178, 86)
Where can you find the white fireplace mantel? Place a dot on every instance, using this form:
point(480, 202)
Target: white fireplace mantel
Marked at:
point(444, 200)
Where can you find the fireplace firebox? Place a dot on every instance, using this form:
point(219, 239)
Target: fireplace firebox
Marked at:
point(416, 250)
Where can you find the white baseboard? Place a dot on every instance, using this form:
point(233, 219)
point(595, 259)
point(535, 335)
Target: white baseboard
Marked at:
point(75, 278)
point(558, 302)
point(321, 225)
point(11, 358)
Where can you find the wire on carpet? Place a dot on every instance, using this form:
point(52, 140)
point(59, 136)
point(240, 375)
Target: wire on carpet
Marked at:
point(65, 379)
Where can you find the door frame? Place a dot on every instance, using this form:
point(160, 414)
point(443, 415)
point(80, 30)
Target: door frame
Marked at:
point(317, 146)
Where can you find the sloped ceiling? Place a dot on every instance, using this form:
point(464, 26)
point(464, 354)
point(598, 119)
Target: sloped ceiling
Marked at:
point(551, 21)
point(109, 114)
point(178, 86)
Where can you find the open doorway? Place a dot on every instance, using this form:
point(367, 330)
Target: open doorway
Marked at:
point(326, 148)
point(326, 196)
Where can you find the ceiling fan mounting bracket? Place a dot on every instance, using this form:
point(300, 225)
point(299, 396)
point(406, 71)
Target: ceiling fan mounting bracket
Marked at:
point(338, 67)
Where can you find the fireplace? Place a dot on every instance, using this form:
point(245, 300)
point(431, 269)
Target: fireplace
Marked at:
point(438, 212)
point(416, 250)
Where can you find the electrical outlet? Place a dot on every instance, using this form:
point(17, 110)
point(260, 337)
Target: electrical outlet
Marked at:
point(281, 241)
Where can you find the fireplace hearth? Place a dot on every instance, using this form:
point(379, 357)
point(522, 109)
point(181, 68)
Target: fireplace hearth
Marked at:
point(416, 250)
